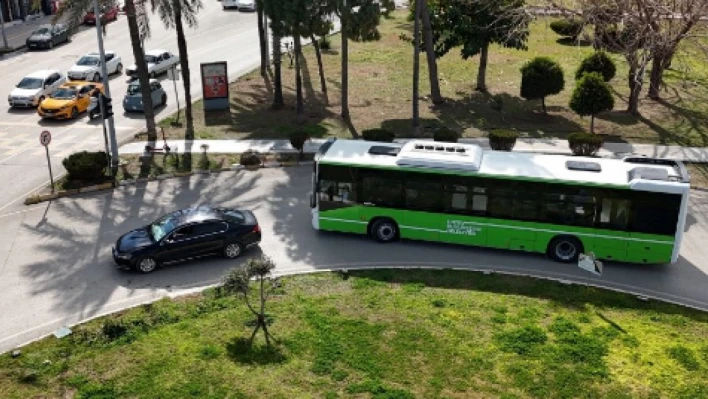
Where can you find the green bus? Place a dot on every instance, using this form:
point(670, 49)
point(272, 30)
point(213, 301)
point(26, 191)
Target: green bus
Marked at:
point(628, 210)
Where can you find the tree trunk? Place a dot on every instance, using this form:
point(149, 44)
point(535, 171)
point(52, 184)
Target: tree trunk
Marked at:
point(184, 63)
point(277, 80)
point(543, 105)
point(300, 105)
point(636, 78)
point(143, 78)
point(592, 123)
point(432, 59)
point(345, 69)
point(657, 76)
point(262, 38)
point(482, 72)
point(320, 67)
point(416, 69)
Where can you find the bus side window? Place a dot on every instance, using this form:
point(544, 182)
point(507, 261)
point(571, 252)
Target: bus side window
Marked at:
point(615, 213)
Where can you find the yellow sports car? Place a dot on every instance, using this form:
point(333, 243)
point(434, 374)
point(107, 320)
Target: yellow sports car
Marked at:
point(69, 100)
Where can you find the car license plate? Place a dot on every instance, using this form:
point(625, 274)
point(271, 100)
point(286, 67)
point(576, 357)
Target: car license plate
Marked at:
point(133, 107)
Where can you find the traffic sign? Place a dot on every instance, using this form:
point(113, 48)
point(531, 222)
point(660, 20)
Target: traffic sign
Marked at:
point(45, 138)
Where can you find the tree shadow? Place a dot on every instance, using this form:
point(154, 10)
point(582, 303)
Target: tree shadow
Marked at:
point(567, 41)
point(619, 117)
point(240, 350)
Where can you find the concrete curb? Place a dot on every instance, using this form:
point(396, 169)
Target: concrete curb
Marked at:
point(36, 199)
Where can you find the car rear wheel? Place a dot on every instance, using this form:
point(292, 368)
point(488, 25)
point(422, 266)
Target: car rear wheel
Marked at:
point(96, 77)
point(163, 100)
point(119, 69)
point(152, 75)
point(51, 44)
point(74, 113)
point(146, 265)
point(232, 250)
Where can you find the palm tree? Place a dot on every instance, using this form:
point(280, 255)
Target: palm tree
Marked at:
point(262, 37)
point(173, 13)
point(416, 68)
point(139, 28)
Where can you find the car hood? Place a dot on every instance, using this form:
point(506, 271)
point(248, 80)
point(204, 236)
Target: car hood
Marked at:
point(17, 92)
point(138, 238)
point(82, 68)
point(55, 103)
point(38, 37)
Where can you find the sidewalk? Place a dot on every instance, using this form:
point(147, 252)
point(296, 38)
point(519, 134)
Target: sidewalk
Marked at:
point(549, 146)
point(18, 31)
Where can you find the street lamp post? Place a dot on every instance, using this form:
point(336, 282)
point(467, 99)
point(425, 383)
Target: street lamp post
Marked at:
point(106, 88)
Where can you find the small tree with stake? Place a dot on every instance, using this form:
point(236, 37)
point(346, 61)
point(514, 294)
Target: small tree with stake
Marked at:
point(540, 78)
point(591, 96)
point(238, 281)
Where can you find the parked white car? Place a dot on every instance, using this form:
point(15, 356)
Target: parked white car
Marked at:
point(246, 5)
point(88, 67)
point(228, 4)
point(158, 61)
point(35, 87)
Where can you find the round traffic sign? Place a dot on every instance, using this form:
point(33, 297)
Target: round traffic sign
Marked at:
point(45, 138)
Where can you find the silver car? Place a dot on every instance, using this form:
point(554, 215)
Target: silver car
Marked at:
point(133, 101)
point(35, 87)
point(158, 61)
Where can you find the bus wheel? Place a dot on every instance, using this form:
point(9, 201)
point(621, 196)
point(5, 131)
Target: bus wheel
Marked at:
point(565, 249)
point(385, 230)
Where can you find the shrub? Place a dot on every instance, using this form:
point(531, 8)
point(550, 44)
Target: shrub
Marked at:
point(591, 96)
point(502, 140)
point(86, 165)
point(541, 77)
point(567, 27)
point(599, 62)
point(113, 329)
point(445, 134)
point(250, 158)
point(584, 144)
point(325, 43)
point(383, 135)
point(298, 139)
point(523, 340)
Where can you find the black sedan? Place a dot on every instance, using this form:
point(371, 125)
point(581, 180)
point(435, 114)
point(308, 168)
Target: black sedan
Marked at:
point(187, 234)
point(47, 36)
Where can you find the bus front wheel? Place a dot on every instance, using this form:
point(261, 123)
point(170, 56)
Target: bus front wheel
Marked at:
point(565, 249)
point(384, 230)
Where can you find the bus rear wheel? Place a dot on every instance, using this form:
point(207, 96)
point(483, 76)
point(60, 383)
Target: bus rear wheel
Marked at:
point(384, 230)
point(565, 249)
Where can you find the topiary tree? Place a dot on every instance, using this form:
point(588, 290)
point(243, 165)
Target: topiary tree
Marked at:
point(383, 135)
point(238, 281)
point(567, 27)
point(541, 77)
point(445, 134)
point(297, 140)
point(591, 96)
point(584, 144)
point(599, 62)
point(502, 140)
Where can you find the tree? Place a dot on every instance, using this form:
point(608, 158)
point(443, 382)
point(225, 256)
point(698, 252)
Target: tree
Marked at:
point(541, 77)
point(138, 28)
point(274, 10)
point(262, 39)
point(599, 62)
point(359, 22)
point(567, 27)
point(429, 42)
point(474, 25)
point(416, 68)
point(173, 14)
point(591, 96)
point(238, 281)
point(318, 25)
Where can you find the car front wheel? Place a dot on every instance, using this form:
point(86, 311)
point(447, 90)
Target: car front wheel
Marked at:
point(146, 265)
point(232, 250)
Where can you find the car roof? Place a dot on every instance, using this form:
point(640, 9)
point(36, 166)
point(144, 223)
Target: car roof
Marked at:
point(96, 54)
point(78, 84)
point(156, 52)
point(196, 215)
point(43, 73)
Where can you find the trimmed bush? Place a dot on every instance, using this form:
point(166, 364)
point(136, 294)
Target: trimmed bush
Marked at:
point(567, 27)
point(445, 134)
point(325, 43)
point(541, 77)
point(584, 144)
point(599, 62)
point(502, 140)
point(591, 96)
point(382, 135)
point(86, 165)
point(298, 139)
point(250, 158)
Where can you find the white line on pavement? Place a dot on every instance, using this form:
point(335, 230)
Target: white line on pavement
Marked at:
point(87, 127)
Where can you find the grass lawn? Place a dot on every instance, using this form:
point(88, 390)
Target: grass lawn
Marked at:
point(380, 91)
point(380, 334)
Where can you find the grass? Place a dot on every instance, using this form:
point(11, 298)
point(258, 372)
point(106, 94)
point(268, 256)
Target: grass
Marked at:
point(380, 91)
point(699, 175)
point(380, 334)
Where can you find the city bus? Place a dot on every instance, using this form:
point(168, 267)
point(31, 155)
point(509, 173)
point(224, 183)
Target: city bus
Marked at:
point(626, 210)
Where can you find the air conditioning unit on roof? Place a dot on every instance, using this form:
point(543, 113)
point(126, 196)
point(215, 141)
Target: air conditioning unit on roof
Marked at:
point(439, 155)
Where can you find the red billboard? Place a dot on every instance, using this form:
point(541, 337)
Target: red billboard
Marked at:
point(215, 82)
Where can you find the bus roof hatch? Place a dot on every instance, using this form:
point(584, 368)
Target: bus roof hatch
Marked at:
point(439, 155)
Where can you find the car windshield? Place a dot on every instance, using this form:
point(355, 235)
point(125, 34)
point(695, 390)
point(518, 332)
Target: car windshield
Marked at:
point(163, 226)
point(134, 90)
point(88, 61)
point(150, 59)
point(65, 93)
point(43, 31)
point(30, 83)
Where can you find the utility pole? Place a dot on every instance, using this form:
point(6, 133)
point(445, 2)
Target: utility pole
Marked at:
point(2, 27)
point(106, 88)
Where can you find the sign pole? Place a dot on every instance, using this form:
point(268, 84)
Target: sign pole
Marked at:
point(45, 138)
point(174, 83)
point(49, 163)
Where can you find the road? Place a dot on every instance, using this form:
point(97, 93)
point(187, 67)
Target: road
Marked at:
point(56, 267)
point(221, 36)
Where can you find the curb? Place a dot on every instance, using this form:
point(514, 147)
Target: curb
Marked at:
point(38, 198)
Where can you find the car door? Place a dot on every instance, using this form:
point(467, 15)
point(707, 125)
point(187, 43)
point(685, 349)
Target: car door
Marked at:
point(167, 60)
point(210, 236)
point(177, 245)
point(155, 93)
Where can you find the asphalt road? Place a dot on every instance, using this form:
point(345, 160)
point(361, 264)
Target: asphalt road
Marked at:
point(56, 267)
point(221, 36)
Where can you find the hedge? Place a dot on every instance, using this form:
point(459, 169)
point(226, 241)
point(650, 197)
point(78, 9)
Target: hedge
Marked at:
point(445, 134)
point(584, 144)
point(567, 27)
point(382, 135)
point(86, 165)
point(502, 140)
